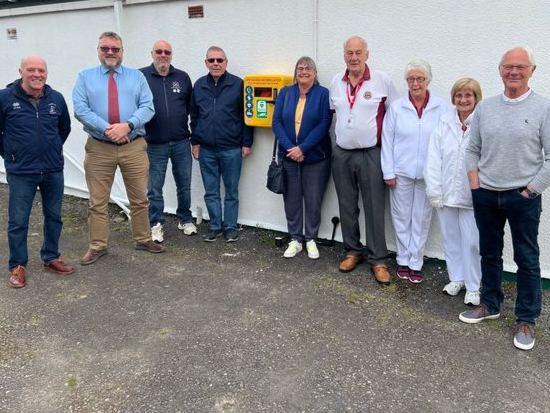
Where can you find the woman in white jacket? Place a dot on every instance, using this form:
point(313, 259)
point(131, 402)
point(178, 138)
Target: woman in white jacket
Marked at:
point(405, 135)
point(448, 190)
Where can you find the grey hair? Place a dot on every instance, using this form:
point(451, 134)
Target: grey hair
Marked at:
point(309, 62)
point(112, 36)
point(355, 37)
point(216, 49)
point(525, 49)
point(421, 65)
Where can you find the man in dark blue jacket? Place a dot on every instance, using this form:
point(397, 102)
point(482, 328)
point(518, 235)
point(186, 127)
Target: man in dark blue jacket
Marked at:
point(34, 124)
point(167, 137)
point(220, 141)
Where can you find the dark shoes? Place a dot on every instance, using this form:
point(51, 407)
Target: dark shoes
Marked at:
point(350, 262)
point(211, 235)
point(150, 246)
point(18, 278)
point(58, 266)
point(381, 274)
point(231, 235)
point(92, 256)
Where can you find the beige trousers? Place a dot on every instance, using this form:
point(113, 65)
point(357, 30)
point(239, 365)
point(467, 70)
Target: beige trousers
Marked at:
point(100, 164)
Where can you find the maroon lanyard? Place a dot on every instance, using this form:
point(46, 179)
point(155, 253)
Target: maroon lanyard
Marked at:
point(351, 99)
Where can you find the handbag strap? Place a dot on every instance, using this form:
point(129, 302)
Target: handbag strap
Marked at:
point(275, 141)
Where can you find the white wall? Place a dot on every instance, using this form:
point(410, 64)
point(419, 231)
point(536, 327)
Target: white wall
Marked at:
point(267, 37)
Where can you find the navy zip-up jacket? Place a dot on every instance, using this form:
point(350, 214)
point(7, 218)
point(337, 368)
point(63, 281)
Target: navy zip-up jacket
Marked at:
point(171, 98)
point(217, 114)
point(31, 139)
point(313, 137)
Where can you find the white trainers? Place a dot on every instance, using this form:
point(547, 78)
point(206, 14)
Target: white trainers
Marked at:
point(453, 288)
point(294, 247)
point(188, 228)
point(471, 298)
point(157, 234)
point(312, 251)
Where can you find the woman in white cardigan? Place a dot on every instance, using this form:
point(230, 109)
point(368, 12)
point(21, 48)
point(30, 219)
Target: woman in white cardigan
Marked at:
point(405, 135)
point(448, 190)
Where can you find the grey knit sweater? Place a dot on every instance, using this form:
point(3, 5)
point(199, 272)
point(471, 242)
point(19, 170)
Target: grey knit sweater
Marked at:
point(510, 143)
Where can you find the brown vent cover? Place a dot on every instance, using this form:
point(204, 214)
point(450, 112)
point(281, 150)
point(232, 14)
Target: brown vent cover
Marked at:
point(195, 12)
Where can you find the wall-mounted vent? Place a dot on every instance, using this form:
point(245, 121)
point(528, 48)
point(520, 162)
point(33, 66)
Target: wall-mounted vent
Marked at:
point(195, 12)
point(11, 34)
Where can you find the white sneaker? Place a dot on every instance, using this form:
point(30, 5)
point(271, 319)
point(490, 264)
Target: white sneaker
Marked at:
point(157, 234)
point(453, 288)
point(312, 251)
point(294, 247)
point(188, 229)
point(471, 298)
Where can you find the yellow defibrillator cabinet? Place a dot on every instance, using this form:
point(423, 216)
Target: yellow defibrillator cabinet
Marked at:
point(260, 93)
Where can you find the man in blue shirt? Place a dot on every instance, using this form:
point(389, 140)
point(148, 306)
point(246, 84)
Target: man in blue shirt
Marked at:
point(34, 124)
point(114, 102)
point(220, 141)
point(168, 139)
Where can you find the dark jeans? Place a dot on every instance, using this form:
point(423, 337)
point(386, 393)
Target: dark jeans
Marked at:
point(226, 165)
point(492, 209)
point(22, 191)
point(305, 188)
point(179, 154)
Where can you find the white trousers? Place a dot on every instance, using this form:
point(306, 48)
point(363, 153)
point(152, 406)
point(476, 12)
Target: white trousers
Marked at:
point(411, 216)
point(461, 244)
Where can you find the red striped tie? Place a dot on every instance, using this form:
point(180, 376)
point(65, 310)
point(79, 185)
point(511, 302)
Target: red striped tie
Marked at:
point(114, 116)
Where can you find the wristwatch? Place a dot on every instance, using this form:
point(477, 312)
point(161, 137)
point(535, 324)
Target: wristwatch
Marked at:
point(531, 194)
point(130, 125)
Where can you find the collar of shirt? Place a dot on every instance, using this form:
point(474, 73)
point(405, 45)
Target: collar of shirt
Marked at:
point(366, 75)
point(518, 99)
point(421, 109)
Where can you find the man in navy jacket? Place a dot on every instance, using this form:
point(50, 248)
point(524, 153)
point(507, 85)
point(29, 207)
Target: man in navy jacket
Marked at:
point(34, 124)
point(167, 137)
point(220, 141)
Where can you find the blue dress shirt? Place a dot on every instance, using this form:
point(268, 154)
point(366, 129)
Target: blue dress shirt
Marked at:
point(90, 98)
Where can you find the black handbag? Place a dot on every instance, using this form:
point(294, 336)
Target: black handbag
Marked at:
point(275, 173)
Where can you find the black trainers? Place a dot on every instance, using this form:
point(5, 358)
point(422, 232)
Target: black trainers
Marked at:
point(231, 235)
point(211, 235)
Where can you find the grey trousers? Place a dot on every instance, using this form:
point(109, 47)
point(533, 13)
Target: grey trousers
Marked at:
point(305, 188)
point(353, 171)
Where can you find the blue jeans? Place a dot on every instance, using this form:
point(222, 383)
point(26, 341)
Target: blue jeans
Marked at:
point(227, 166)
point(22, 191)
point(492, 209)
point(179, 154)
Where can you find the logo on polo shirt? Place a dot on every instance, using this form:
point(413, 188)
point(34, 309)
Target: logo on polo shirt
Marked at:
point(176, 87)
point(367, 95)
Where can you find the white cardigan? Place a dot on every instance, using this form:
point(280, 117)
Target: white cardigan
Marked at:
point(445, 170)
point(405, 137)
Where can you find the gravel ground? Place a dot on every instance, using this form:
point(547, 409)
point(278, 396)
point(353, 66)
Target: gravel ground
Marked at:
point(234, 327)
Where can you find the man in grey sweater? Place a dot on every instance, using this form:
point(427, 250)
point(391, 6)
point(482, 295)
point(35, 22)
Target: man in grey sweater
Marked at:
point(508, 168)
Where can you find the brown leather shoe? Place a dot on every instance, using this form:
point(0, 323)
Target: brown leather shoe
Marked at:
point(381, 274)
point(92, 256)
point(18, 278)
point(58, 266)
point(150, 246)
point(350, 262)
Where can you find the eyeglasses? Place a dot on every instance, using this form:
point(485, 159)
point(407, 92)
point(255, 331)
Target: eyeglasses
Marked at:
point(419, 80)
point(166, 52)
point(216, 59)
point(304, 69)
point(520, 68)
point(105, 49)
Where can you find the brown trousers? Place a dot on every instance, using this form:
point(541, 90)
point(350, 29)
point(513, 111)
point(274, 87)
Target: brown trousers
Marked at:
point(100, 164)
